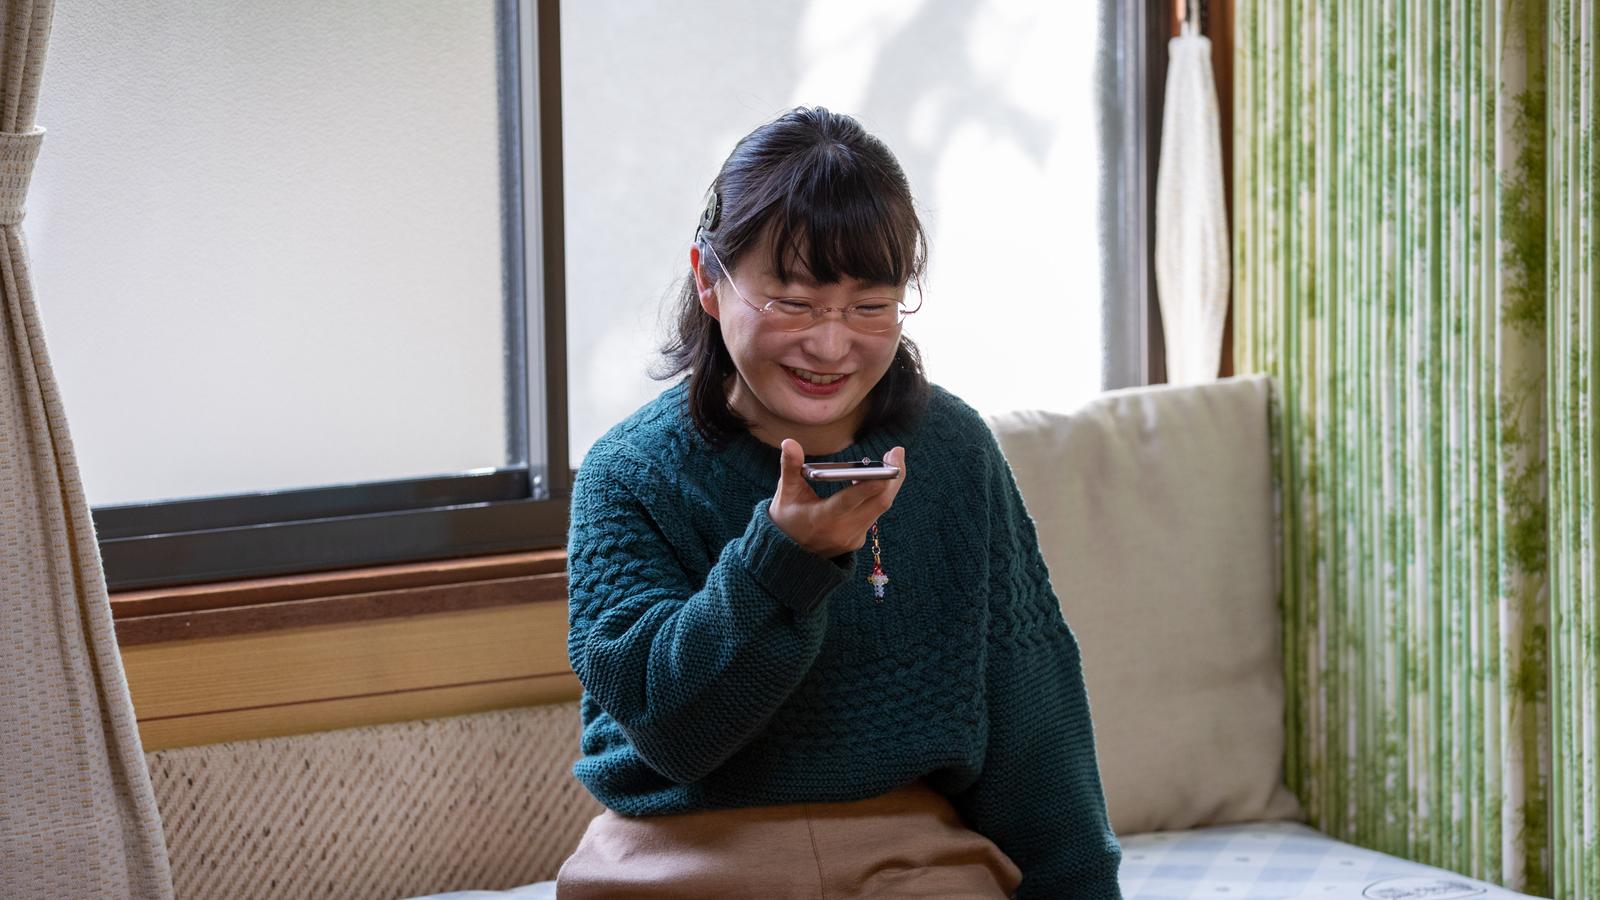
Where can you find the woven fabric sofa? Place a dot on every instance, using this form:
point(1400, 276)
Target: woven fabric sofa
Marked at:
point(1155, 512)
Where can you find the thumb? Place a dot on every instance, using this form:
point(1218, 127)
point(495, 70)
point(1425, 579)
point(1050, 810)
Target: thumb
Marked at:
point(791, 478)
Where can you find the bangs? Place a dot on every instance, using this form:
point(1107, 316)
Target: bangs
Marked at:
point(833, 223)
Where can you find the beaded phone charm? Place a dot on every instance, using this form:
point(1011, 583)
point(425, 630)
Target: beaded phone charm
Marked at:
point(877, 579)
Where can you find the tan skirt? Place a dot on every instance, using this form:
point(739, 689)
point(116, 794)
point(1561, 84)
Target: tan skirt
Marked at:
point(906, 843)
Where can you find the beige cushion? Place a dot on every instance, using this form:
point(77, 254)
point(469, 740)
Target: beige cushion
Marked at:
point(1155, 514)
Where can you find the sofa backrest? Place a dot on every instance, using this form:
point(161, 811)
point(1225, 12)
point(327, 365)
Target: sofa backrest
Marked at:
point(1154, 509)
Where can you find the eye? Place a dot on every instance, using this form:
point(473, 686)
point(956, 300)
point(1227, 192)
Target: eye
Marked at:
point(791, 306)
point(872, 309)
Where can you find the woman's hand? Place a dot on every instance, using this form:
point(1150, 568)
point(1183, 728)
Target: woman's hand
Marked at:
point(838, 524)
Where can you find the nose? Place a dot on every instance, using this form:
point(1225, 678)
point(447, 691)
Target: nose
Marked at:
point(829, 340)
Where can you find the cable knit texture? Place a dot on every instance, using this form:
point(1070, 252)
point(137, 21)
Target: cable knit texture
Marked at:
point(725, 666)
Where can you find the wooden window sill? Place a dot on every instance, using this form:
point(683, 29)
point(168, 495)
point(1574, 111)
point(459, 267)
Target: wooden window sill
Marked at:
point(292, 654)
point(346, 595)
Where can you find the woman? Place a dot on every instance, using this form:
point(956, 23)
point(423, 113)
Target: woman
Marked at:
point(805, 689)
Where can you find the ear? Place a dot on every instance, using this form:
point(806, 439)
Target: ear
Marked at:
point(704, 286)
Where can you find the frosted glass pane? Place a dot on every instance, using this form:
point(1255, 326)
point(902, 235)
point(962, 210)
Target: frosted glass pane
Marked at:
point(992, 107)
point(267, 242)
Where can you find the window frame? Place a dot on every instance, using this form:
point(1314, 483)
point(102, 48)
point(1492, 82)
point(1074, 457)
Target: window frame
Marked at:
point(1129, 309)
point(519, 507)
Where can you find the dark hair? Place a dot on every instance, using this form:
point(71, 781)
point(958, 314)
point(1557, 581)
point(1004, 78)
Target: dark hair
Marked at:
point(834, 201)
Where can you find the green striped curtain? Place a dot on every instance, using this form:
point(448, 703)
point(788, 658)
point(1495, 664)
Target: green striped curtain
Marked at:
point(1415, 263)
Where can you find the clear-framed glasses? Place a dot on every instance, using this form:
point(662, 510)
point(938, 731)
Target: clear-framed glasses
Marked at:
point(873, 316)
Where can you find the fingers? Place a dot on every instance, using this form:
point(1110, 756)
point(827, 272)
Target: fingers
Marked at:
point(870, 499)
point(896, 458)
point(885, 491)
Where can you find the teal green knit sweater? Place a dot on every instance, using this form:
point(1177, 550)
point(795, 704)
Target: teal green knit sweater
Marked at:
point(725, 666)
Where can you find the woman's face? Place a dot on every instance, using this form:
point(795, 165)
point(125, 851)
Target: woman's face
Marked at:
point(810, 385)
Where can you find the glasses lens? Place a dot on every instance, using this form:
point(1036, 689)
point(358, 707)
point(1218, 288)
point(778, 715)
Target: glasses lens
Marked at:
point(879, 316)
point(790, 315)
point(872, 318)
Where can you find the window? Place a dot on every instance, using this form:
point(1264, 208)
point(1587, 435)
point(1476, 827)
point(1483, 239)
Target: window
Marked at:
point(326, 284)
point(290, 259)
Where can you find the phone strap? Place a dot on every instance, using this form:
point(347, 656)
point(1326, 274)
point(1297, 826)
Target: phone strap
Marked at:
point(877, 579)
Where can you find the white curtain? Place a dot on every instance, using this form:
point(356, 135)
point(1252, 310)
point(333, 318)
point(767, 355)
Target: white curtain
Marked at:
point(77, 815)
point(1191, 221)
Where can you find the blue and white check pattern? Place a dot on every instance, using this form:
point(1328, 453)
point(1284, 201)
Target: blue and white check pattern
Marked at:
point(1255, 861)
point(1280, 861)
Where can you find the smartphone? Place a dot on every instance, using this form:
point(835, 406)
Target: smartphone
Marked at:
point(865, 470)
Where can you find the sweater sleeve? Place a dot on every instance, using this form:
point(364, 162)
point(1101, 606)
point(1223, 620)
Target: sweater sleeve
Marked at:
point(1038, 796)
point(690, 669)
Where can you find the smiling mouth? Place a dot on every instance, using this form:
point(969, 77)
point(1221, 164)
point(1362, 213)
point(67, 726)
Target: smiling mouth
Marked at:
point(813, 377)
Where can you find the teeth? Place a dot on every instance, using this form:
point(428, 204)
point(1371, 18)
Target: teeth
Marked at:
point(813, 377)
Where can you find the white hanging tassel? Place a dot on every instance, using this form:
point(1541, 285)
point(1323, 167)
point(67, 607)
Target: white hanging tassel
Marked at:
point(1191, 221)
